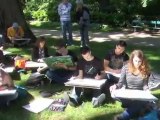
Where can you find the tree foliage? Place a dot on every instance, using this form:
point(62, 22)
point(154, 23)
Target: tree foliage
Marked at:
point(114, 12)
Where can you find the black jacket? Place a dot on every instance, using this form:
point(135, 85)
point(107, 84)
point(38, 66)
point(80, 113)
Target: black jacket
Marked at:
point(35, 53)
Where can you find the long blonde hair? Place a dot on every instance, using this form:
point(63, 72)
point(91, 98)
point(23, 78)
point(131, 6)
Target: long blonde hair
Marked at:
point(144, 67)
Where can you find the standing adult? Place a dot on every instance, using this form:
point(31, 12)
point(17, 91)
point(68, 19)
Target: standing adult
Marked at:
point(134, 75)
point(64, 11)
point(83, 18)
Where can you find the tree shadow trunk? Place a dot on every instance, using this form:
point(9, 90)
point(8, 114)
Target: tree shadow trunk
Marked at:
point(11, 11)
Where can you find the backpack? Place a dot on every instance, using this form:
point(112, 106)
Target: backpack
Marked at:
point(36, 79)
point(154, 81)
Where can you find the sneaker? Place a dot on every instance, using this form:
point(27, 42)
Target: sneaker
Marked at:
point(96, 102)
point(72, 102)
point(81, 45)
point(50, 80)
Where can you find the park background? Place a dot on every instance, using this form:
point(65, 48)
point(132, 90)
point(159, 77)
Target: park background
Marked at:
point(111, 20)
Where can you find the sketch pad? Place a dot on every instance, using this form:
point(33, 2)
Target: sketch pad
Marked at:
point(86, 83)
point(7, 92)
point(38, 105)
point(133, 94)
point(51, 61)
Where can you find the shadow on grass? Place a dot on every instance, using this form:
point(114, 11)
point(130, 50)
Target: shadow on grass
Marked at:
point(107, 116)
point(15, 111)
point(99, 49)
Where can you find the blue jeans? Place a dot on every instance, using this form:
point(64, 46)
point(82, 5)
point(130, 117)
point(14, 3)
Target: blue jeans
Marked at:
point(133, 108)
point(67, 27)
point(59, 76)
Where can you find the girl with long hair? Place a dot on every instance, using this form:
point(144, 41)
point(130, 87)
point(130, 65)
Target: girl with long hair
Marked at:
point(134, 75)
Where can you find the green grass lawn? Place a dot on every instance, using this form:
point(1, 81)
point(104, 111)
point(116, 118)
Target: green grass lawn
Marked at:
point(84, 112)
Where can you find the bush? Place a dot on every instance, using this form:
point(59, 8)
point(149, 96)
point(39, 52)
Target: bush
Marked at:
point(40, 15)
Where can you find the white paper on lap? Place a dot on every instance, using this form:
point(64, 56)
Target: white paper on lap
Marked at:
point(6, 52)
point(22, 39)
point(86, 83)
point(7, 92)
point(31, 64)
point(38, 105)
point(114, 74)
point(133, 95)
point(9, 69)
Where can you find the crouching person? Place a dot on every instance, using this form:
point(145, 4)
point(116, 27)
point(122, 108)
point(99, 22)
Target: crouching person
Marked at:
point(89, 67)
point(6, 83)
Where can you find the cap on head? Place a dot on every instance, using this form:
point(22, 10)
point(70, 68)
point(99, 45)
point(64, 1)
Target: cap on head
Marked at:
point(15, 25)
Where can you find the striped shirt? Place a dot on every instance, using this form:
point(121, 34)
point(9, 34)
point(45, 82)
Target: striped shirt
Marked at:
point(64, 11)
point(131, 81)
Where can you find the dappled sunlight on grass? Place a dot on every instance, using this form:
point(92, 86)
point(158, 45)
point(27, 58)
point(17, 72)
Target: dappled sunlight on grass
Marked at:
point(99, 46)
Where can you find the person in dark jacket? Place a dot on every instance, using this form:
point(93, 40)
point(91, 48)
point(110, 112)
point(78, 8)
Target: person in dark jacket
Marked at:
point(40, 50)
point(63, 73)
point(83, 18)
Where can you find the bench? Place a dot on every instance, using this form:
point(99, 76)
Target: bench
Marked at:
point(154, 25)
point(137, 24)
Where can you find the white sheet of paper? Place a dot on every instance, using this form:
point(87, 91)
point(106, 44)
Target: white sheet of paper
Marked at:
point(22, 39)
point(31, 64)
point(133, 94)
point(38, 105)
point(86, 83)
point(9, 69)
point(114, 74)
point(7, 92)
point(6, 52)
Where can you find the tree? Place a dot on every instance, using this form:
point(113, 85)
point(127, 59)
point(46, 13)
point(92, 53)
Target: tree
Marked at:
point(11, 11)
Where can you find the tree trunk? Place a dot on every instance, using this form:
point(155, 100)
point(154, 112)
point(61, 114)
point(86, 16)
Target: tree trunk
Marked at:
point(11, 11)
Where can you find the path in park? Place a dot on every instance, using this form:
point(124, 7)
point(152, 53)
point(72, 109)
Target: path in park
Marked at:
point(135, 38)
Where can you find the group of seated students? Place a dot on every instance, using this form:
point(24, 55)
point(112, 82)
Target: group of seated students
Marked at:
point(134, 72)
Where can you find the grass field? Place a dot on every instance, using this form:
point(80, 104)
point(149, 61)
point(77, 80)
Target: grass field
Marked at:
point(84, 112)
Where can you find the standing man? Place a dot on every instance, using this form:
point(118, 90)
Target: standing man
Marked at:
point(83, 18)
point(64, 9)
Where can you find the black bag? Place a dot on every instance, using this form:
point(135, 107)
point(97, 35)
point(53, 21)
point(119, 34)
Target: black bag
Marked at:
point(36, 79)
point(154, 81)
